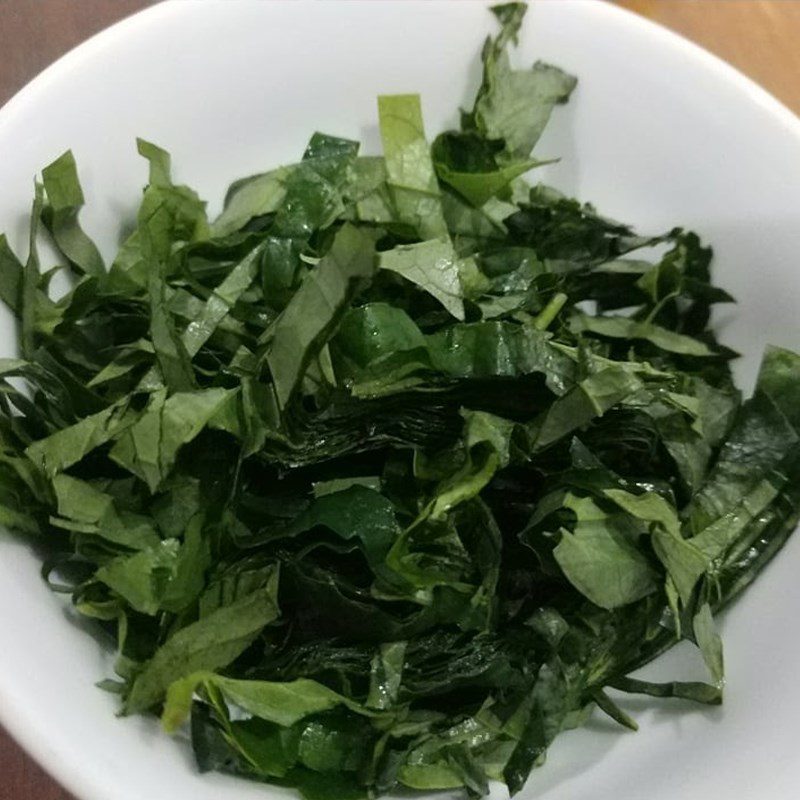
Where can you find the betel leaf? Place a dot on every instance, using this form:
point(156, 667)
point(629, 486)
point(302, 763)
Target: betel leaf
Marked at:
point(601, 559)
point(694, 691)
point(149, 447)
point(208, 644)
point(606, 704)
point(86, 508)
point(386, 675)
point(487, 444)
point(591, 398)
point(188, 579)
point(281, 703)
point(778, 378)
point(469, 164)
point(336, 745)
point(169, 214)
point(710, 644)
point(316, 188)
point(159, 163)
point(317, 307)
point(11, 271)
point(717, 538)
point(69, 445)
point(221, 301)
point(379, 350)
point(354, 513)
point(684, 561)
point(170, 351)
point(486, 436)
point(547, 710)
point(495, 348)
point(759, 441)
point(29, 295)
point(249, 198)
point(142, 579)
point(60, 216)
point(626, 328)
point(431, 265)
point(515, 105)
point(410, 174)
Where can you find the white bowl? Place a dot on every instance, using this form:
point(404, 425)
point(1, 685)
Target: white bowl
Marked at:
point(658, 133)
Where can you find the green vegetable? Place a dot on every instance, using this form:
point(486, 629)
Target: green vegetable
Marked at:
point(409, 169)
point(60, 215)
point(367, 495)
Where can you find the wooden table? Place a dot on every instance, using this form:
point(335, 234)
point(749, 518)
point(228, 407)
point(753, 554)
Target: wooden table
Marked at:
point(757, 36)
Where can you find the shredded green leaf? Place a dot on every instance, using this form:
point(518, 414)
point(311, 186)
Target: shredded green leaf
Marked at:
point(383, 478)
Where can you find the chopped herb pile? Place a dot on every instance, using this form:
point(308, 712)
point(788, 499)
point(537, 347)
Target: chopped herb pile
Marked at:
point(384, 477)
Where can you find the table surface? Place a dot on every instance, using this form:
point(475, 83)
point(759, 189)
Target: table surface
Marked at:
point(757, 36)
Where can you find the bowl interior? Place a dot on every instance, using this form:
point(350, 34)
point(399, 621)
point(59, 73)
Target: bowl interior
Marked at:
point(658, 134)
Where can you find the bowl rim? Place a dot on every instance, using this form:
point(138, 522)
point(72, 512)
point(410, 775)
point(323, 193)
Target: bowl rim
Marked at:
point(27, 730)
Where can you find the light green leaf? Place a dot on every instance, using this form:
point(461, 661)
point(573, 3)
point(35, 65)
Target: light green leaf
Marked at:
point(649, 507)
point(60, 216)
point(159, 160)
point(626, 328)
point(685, 562)
point(69, 445)
point(515, 105)
point(386, 675)
point(486, 449)
point(221, 301)
point(431, 265)
point(149, 447)
point(171, 354)
point(142, 579)
point(590, 399)
point(209, 644)
point(600, 558)
point(409, 168)
point(710, 644)
point(281, 703)
point(251, 197)
point(83, 507)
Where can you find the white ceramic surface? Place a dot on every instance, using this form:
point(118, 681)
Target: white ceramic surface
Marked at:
point(658, 133)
